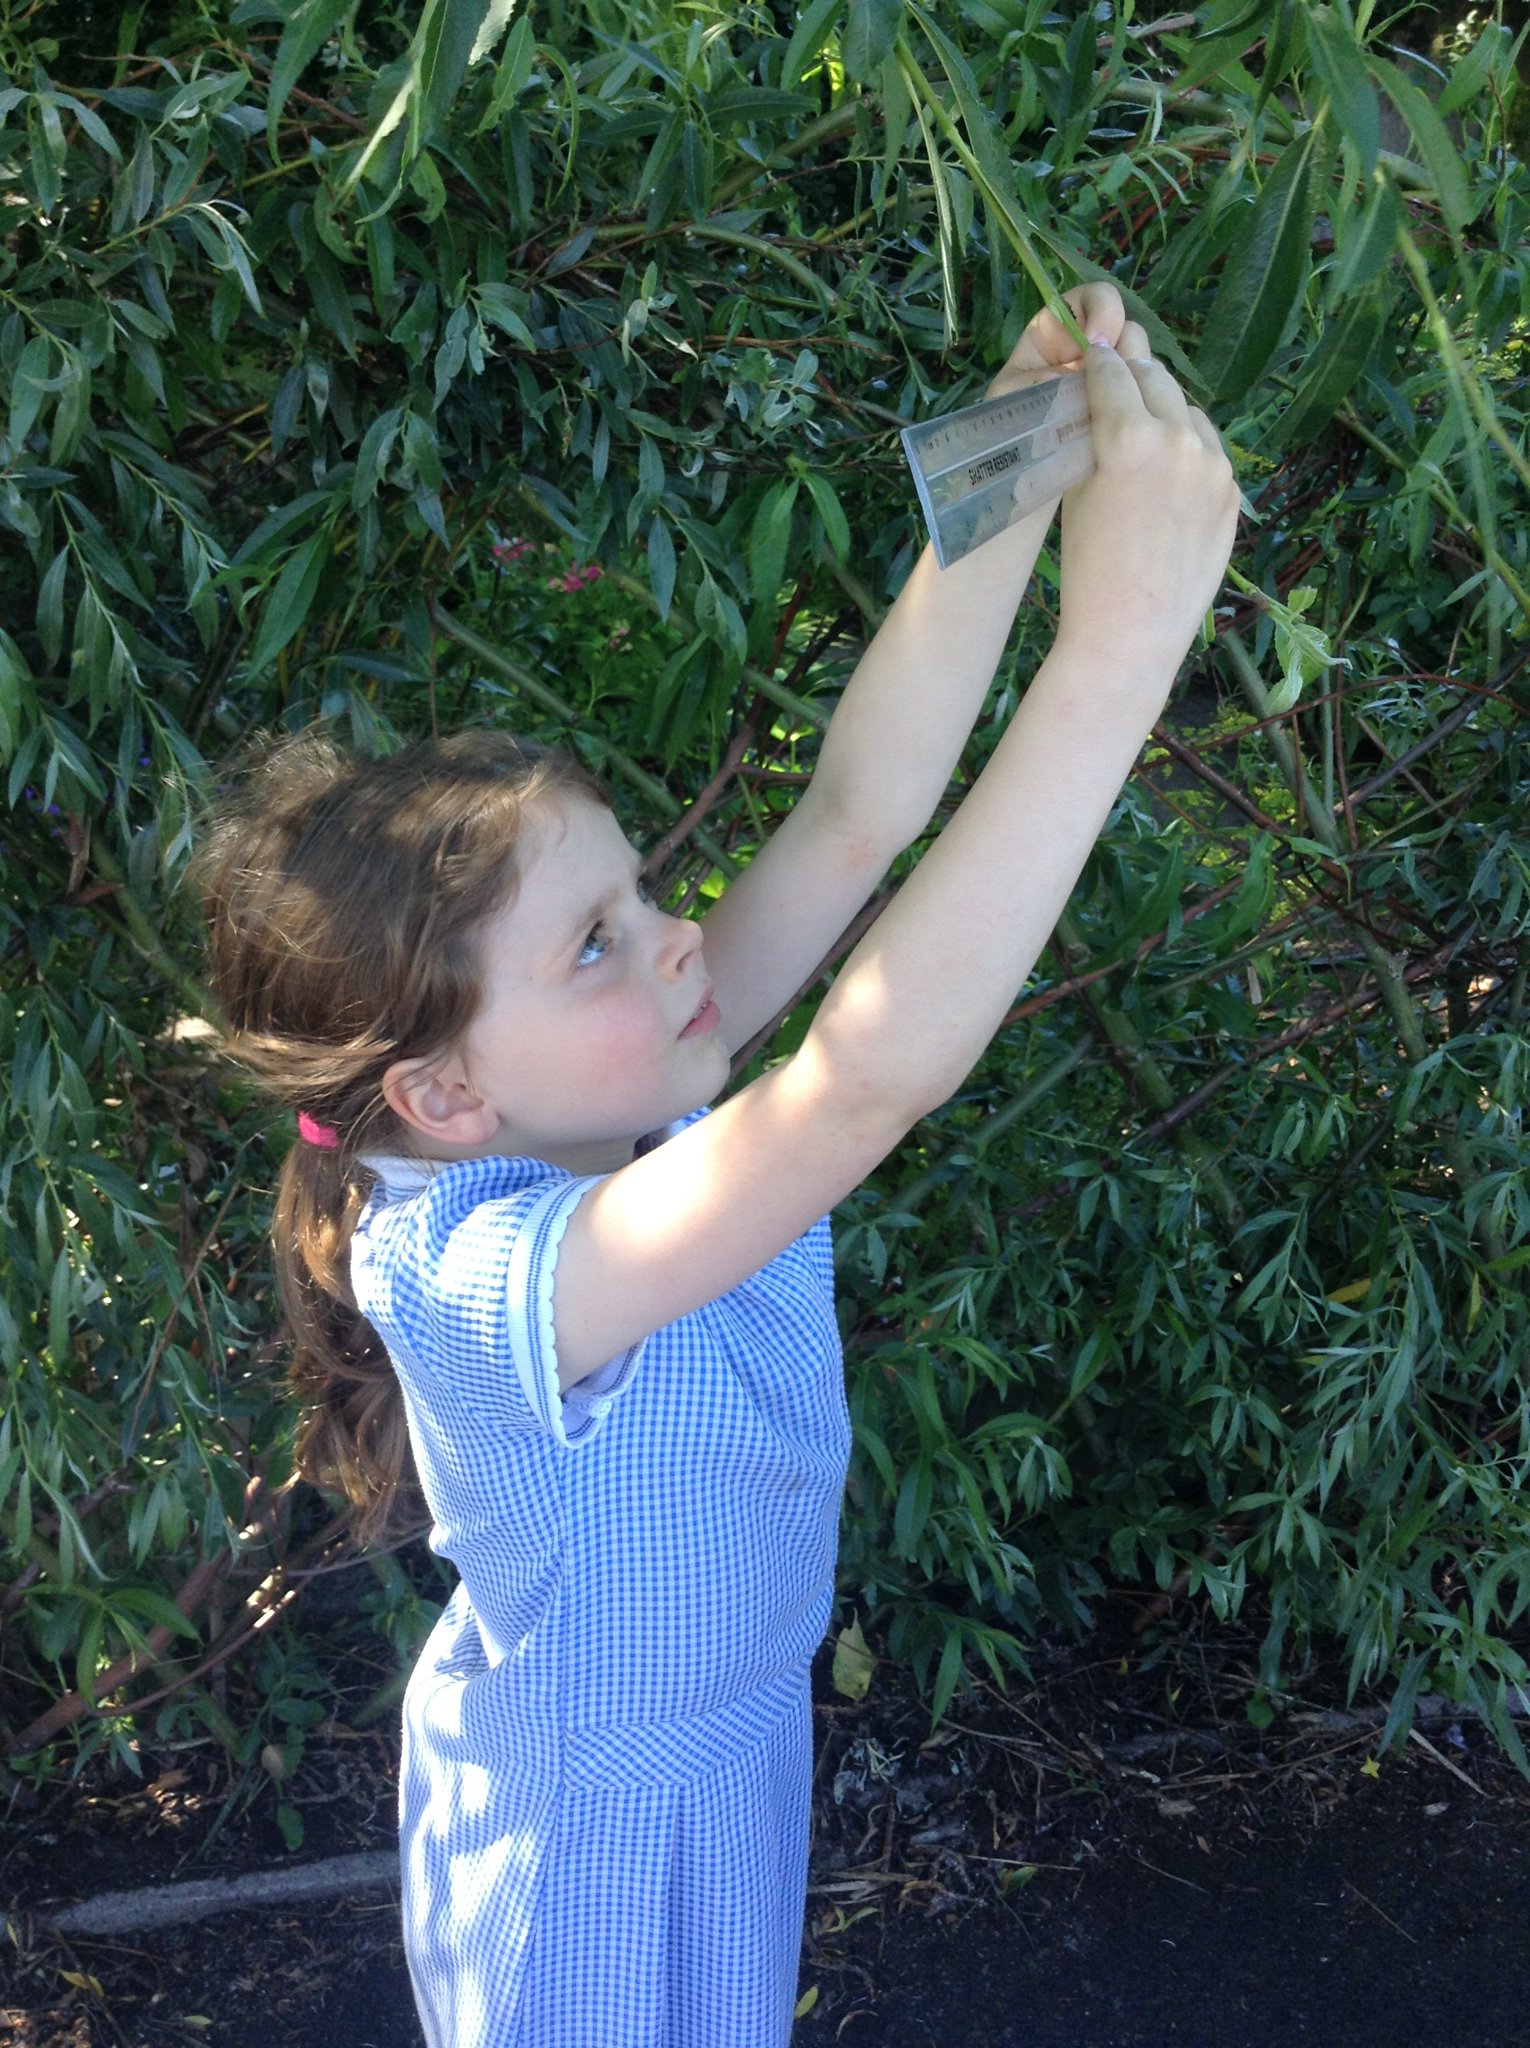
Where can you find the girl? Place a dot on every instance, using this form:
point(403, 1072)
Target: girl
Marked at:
point(608, 1312)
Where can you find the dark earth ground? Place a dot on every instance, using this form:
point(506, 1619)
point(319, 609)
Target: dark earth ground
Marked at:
point(1193, 1882)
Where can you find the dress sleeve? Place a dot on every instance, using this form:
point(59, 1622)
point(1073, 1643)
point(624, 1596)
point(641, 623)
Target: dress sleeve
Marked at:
point(462, 1294)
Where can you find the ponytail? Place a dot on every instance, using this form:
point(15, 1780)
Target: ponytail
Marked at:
point(352, 1436)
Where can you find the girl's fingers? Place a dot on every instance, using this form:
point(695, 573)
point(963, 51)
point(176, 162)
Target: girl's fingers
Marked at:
point(1047, 346)
point(1134, 344)
point(1099, 312)
point(1160, 394)
point(1208, 434)
point(1120, 391)
point(1115, 394)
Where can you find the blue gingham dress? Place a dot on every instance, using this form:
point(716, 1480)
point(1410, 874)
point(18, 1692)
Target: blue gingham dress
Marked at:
point(604, 1792)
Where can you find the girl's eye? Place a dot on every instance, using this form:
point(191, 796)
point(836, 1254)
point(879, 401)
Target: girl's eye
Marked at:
point(595, 947)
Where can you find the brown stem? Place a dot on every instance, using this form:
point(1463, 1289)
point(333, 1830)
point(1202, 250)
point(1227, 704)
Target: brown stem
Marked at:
point(1086, 977)
point(69, 1708)
point(191, 1599)
point(706, 802)
point(1191, 758)
point(1176, 1113)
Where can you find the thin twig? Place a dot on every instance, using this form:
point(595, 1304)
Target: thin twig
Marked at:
point(1350, 1885)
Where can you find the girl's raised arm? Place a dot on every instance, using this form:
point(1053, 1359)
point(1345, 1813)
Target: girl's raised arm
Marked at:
point(1145, 543)
point(896, 734)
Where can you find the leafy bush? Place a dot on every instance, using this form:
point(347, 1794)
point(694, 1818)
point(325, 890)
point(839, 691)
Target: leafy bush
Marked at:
point(344, 344)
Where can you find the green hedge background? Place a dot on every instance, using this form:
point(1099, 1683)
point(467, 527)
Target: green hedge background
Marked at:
point(414, 366)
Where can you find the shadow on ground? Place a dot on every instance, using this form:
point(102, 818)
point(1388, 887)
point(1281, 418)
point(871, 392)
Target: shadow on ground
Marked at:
point(1071, 1866)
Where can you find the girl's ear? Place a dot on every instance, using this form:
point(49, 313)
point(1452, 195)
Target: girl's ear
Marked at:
point(435, 1098)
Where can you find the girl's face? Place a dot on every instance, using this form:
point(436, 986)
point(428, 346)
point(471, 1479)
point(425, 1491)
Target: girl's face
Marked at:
point(597, 1024)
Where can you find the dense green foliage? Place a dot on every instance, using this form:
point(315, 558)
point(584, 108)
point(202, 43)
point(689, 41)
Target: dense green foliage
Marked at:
point(344, 345)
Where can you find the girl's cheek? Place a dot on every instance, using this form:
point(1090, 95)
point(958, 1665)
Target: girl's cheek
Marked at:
point(627, 1031)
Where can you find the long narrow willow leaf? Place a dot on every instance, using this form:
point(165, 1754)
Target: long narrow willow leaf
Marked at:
point(392, 115)
point(999, 203)
point(1462, 378)
point(551, 56)
point(945, 226)
point(1445, 498)
point(772, 252)
point(439, 59)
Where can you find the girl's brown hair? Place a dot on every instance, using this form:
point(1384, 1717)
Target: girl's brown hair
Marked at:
point(343, 898)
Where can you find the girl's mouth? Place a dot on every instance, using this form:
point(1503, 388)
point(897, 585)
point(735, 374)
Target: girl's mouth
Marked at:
point(706, 1018)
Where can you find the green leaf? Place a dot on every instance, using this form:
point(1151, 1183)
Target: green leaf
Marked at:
point(1367, 241)
point(1339, 61)
point(290, 600)
point(31, 382)
point(949, 1673)
point(60, 1298)
point(153, 1607)
point(50, 606)
point(1433, 142)
point(945, 227)
point(500, 305)
point(92, 124)
point(871, 29)
point(768, 538)
point(1334, 368)
point(721, 620)
point(444, 46)
point(808, 38)
point(1487, 66)
point(912, 1510)
point(422, 452)
point(1263, 279)
point(661, 563)
point(88, 1655)
point(1219, 49)
point(836, 526)
point(331, 297)
point(309, 26)
point(496, 18)
point(1097, 1352)
point(372, 460)
point(897, 108)
point(513, 74)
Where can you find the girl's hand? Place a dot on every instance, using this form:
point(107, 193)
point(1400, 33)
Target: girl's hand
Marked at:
point(1046, 347)
point(1145, 540)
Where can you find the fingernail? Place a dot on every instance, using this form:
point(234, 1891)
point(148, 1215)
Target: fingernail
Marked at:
point(1102, 341)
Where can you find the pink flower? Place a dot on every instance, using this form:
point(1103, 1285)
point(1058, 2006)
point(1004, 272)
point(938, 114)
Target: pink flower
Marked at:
point(513, 550)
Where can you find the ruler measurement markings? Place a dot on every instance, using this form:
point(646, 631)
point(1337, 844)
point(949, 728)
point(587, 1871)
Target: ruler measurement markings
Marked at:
point(980, 469)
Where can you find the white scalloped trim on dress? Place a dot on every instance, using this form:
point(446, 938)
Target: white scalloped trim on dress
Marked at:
point(571, 1417)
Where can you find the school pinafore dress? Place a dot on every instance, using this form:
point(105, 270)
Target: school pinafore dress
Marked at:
point(604, 1791)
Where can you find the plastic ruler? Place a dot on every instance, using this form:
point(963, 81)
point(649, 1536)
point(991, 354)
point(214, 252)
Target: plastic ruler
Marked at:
point(981, 469)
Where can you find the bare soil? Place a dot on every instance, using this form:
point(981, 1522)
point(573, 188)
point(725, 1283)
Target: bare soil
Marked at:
point(1113, 1858)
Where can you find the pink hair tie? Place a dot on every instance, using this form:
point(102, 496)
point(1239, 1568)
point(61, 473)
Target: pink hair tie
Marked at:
point(312, 1132)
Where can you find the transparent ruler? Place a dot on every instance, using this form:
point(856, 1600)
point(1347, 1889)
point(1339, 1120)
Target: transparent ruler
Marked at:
point(981, 469)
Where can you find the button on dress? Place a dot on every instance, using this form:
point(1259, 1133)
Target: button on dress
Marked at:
point(604, 1793)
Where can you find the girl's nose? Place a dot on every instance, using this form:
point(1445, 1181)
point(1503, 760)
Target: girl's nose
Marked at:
point(679, 942)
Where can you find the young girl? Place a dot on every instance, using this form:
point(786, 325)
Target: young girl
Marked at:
point(603, 1314)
